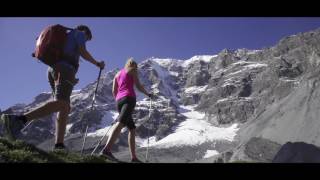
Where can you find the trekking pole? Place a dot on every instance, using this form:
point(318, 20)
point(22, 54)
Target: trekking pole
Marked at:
point(93, 99)
point(25, 127)
point(95, 148)
point(148, 130)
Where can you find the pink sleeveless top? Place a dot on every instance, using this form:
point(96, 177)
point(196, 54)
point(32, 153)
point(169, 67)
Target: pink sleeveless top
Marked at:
point(125, 85)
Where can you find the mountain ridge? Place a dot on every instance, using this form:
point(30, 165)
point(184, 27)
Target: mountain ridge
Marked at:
point(239, 87)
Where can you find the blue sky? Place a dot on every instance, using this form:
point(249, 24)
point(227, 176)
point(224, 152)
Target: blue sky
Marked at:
point(116, 39)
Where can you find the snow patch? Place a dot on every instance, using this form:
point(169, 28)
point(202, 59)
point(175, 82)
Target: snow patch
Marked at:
point(105, 124)
point(79, 95)
point(253, 51)
point(288, 80)
point(235, 99)
point(76, 91)
point(166, 62)
point(194, 131)
point(235, 73)
point(222, 100)
point(205, 58)
point(144, 142)
point(68, 128)
point(245, 67)
point(195, 89)
point(173, 73)
point(256, 65)
point(163, 74)
point(101, 132)
point(210, 153)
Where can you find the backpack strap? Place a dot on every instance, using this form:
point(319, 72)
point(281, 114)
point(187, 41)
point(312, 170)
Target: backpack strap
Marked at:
point(70, 29)
point(66, 27)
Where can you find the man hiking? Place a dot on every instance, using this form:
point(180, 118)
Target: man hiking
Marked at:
point(62, 80)
point(123, 92)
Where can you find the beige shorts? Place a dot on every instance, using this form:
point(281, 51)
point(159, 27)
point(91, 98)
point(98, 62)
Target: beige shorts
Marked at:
point(62, 81)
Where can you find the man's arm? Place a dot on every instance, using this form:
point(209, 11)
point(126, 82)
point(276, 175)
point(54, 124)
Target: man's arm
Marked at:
point(87, 56)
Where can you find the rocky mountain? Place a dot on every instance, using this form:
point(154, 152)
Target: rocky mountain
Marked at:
point(233, 106)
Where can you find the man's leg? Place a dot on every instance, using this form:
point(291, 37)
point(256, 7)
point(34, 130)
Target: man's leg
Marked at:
point(50, 107)
point(61, 123)
point(46, 109)
point(63, 91)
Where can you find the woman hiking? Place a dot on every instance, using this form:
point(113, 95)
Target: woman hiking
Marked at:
point(125, 96)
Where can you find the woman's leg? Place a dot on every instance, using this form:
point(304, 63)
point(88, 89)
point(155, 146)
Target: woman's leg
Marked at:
point(132, 143)
point(114, 135)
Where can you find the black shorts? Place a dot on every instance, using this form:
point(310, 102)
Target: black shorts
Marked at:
point(125, 108)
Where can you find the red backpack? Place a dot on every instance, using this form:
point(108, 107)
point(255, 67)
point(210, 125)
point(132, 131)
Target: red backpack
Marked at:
point(50, 44)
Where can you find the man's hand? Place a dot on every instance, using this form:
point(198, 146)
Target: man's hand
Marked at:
point(100, 64)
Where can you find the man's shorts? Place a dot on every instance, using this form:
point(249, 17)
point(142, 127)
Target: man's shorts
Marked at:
point(62, 81)
point(125, 108)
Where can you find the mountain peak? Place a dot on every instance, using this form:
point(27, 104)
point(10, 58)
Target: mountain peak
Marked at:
point(265, 92)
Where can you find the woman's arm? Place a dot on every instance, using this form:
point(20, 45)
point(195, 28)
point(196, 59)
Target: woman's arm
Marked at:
point(115, 86)
point(139, 86)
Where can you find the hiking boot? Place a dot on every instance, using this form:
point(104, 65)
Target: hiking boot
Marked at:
point(136, 160)
point(60, 147)
point(12, 126)
point(109, 155)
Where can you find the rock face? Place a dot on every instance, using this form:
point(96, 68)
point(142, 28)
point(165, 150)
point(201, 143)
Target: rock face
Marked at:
point(256, 150)
point(272, 93)
point(291, 111)
point(297, 152)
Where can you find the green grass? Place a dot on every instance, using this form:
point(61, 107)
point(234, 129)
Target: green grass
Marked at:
point(243, 161)
point(21, 152)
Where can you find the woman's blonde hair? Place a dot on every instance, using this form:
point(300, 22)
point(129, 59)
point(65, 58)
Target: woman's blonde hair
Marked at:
point(131, 64)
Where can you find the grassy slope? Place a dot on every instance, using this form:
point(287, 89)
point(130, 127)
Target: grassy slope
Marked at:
point(21, 152)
